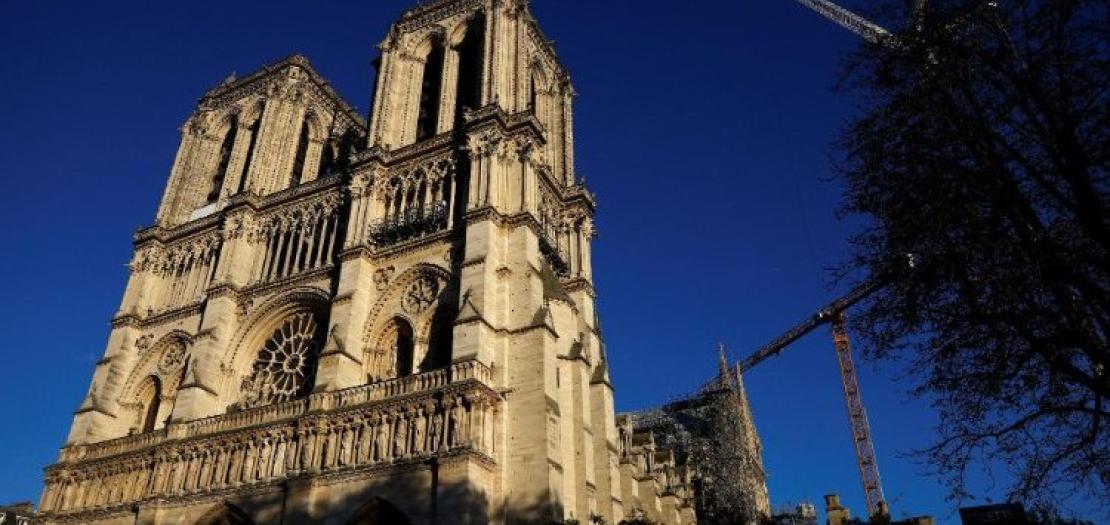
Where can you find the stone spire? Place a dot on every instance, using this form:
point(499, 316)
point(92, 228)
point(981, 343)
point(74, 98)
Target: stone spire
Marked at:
point(755, 479)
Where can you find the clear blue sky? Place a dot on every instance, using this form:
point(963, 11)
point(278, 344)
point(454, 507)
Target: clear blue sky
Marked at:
point(704, 127)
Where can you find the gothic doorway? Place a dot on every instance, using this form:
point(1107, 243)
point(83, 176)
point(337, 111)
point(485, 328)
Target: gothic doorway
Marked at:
point(379, 512)
point(226, 514)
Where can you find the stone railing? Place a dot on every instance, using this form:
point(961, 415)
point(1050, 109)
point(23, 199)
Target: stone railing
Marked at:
point(351, 397)
point(113, 447)
point(411, 224)
point(554, 256)
point(412, 418)
point(244, 419)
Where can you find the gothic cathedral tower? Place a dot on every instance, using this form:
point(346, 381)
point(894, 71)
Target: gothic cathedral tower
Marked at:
point(393, 321)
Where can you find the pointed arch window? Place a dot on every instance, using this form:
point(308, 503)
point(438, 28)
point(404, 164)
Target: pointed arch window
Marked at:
point(225, 159)
point(302, 152)
point(471, 66)
point(151, 405)
point(430, 90)
point(394, 357)
point(327, 161)
point(404, 347)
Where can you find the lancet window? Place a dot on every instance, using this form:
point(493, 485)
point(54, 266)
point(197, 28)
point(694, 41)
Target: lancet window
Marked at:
point(299, 158)
point(431, 86)
point(251, 149)
point(224, 160)
point(151, 404)
point(327, 161)
point(468, 86)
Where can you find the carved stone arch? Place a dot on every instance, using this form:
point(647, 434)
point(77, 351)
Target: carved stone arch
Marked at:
point(397, 286)
point(290, 326)
point(378, 512)
point(540, 75)
point(225, 122)
point(251, 110)
point(225, 514)
point(457, 33)
point(271, 310)
point(423, 42)
point(314, 119)
point(415, 297)
point(173, 346)
point(392, 353)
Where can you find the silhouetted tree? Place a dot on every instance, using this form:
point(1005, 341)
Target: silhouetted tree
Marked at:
point(1049, 517)
point(982, 152)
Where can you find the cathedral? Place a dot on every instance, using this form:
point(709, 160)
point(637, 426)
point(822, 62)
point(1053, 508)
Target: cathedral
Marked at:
point(391, 320)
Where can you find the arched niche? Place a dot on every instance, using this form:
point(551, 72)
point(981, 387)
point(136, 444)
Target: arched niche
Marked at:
point(395, 352)
point(149, 404)
point(225, 514)
point(420, 301)
point(152, 384)
point(378, 512)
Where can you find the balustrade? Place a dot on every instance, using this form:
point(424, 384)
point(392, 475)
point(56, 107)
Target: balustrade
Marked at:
point(407, 419)
point(416, 201)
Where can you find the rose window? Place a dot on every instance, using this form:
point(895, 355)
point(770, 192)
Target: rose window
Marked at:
point(286, 365)
point(421, 294)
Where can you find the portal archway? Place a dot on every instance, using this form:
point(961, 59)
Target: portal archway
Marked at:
point(225, 514)
point(379, 512)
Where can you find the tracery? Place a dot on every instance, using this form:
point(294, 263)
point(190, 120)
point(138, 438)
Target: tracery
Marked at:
point(285, 368)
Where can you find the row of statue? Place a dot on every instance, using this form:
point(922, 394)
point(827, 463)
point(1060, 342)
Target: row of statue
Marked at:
point(369, 436)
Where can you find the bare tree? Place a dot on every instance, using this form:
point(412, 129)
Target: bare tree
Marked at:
point(982, 151)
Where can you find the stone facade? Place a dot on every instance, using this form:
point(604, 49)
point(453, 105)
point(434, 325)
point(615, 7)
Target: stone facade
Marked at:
point(393, 321)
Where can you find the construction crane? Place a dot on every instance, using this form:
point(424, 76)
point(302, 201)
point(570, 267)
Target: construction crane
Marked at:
point(833, 314)
point(859, 25)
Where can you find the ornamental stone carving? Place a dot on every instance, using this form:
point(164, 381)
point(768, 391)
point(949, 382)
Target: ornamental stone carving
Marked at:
point(382, 277)
point(144, 342)
point(173, 359)
point(420, 294)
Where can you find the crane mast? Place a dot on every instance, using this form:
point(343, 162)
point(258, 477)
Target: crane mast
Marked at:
point(833, 314)
point(857, 415)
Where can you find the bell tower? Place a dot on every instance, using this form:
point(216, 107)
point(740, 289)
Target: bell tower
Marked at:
point(469, 169)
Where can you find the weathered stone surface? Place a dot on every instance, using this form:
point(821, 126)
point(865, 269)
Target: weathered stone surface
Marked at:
point(339, 321)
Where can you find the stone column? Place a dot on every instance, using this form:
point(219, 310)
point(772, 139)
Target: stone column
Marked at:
point(449, 88)
point(311, 169)
point(239, 155)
